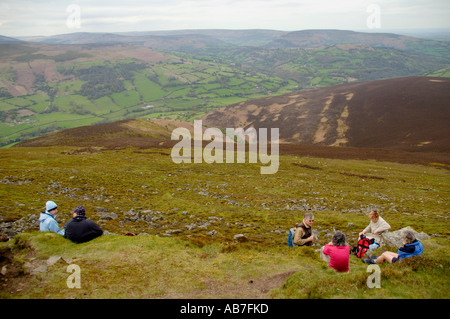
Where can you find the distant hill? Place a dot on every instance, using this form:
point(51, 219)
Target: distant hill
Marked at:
point(251, 37)
point(4, 39)
point(193, 40)
point(411, 113)
point(160, 42)
point(138, 133)
point(323, 38)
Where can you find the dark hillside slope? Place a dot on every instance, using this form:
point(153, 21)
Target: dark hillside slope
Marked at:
point(411, 114)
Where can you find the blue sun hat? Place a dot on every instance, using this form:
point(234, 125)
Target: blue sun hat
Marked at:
point(50, 205)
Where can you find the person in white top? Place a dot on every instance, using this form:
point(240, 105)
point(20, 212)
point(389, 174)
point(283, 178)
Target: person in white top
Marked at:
point(375, 229)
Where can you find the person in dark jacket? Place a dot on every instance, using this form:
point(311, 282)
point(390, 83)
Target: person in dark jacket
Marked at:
point(79, 229)
point(411, 247)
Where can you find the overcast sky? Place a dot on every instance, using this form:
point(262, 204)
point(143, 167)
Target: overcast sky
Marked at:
point(46, 17)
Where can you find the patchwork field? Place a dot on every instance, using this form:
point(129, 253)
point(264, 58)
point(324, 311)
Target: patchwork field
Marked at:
point(86, 87)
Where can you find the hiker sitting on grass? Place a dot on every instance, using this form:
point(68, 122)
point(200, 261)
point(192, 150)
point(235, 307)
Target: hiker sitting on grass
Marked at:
point(411, 247)
point(303, 234)
point(374, 230)
point(336, 252)
point(47, 221)
point(79, 229)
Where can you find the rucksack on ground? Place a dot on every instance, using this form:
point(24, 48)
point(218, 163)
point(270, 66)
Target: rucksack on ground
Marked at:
point(362, 246)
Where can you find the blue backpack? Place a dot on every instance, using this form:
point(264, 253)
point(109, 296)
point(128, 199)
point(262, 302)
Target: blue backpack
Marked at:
point(291, 237)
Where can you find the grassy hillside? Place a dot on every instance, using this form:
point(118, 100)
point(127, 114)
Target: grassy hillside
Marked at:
point(139, 267)
point(188, 215)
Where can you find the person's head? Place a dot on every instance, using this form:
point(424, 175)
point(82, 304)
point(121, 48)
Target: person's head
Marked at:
point(79, 211)
point(373, 215)
point(338, 238)
point(308, 219)
point(51, 207)
point(408, 237)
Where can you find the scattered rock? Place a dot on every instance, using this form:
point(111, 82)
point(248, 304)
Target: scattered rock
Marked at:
point(171, 232)
point(105, 232)
point(191, 226)
point(52, 260)
point(316, 233)
point(212, 233)
point(36, 267)
point(240, 238)
point(108, 216)
point(9, 229)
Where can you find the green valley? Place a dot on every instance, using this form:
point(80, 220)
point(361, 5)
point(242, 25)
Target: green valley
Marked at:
point(109, 90)
point(82, 79)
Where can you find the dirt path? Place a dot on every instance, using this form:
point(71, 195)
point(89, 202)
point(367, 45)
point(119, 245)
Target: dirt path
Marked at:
point(254, 288)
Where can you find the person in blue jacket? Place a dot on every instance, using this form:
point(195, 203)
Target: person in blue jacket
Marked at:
point(411, 247)
point(47, 219)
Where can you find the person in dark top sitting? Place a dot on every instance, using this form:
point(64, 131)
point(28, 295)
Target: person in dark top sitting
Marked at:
point(79, 229)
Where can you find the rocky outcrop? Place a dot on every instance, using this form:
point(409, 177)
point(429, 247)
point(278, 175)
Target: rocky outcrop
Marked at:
point(10, 228)
point(394, 238)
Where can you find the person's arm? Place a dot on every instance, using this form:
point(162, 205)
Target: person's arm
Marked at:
point(383, 226)
point(97, 229)
point(405, 251)
point(367, 229)
point(93, 230)
point(326, 249)
point(299, 233)
point(53, 226)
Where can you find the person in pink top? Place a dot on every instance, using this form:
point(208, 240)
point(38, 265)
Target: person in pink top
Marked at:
point(337, 252)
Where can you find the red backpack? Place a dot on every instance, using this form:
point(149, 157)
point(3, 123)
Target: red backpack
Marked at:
point(363, 246)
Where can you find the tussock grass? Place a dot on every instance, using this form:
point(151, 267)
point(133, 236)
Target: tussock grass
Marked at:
point(149, 266)
point(145, 266)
